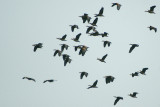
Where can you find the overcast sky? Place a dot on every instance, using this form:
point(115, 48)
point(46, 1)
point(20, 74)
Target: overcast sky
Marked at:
point(28, 22)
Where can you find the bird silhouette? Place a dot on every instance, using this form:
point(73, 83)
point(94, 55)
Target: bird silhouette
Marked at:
point(39, 45)
point(63, 38)
point(106, 42)
point(64, 46)
point(83, 50)
point(57, 51)
point(152, 28)
point(28, 78)
point(134, 74)
point(76, 39)
point(77, 47)
point(117, 99)
point(133, 95)
point(66, 59)
point(100, 12)
point(90, 28)
point(143, 71)
point(95, 33)
point(51, 80)
point(109, 79)
point(85, 18)
point(94, 23)
point(117, 4)
point(151, 10)
point(94, 85)
point(103, 58)
point(73, 27)
point(105, 34)
point(132, 47)
point(83, 74)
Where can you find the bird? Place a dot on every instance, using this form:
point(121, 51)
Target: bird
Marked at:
point(57, 51)
point(133, 95)
point(109, 79)
point(77, 47)
point(39, 45)
point(83, 50)
point(29, 78)
point(117, 99)
point(83, 74)
point(51, 80)
point(134, 74)
point(100, 12)
point(105, 34)
point(65, 56)
point(143, 71)
point(151, 10)
point(153, 28)
point(73, 27)
point(95, 33)
point(94, 85)
point(90, 28)
point(64, 46)
point(132, 47)
point(85, 18)
point(106, 42)
point(118, 5)
point(63, 38)
point(94, 22)
point(66, 59)
point(103, 58)
point(76, 39)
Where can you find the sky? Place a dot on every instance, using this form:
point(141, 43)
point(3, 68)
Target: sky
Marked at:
point(28, 22)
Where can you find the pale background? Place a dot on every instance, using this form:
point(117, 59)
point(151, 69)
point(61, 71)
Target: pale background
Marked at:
point(26, 22)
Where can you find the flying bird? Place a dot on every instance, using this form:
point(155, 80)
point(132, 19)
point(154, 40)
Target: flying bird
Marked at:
point(105, 34)
point(57, 51)
point(73, 27)
point(39, 45)
point(103, 58)
point(117, 4)
point(132, 47)
point(63, 38)
point(77, 47)
point(106, 42)
point(64, 46)
point(109, 79)
point(117, 99)
point(100, 12)
point(85, 18)
point(133, 95)
point(94, 22)
point(151, 10)
point(94, 85)
point(143, 71)
point(83, 50)
point(90, 28)
point(83, 74)
point(152, 28)
point(66, 59)
point(95, 33)
point(29, 78)
point(134, 74)
point(76, 39)
point(51, 80)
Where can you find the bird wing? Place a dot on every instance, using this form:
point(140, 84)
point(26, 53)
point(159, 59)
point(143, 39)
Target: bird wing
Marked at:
point(95, 83)
point(62, 47)
point(107, 80)
point(115, 102)
point(118, 6)
point(109, 43)
point(103, 58)
point(55, 52)
point(82, 74)
point(88, 29)
point(104, 44)
point(152, 8)
point(132, 47)
point(113, 4)
point(101, 11)
point(35, 48)
point(72, 28)
point(86, 74)
point(77, 37)
point(44, 81)
point(64, 37)
point(155, 29)
point(95, 21)
point(144, 69)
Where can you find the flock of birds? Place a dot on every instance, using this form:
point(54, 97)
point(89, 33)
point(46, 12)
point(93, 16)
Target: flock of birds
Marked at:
point(83, 49)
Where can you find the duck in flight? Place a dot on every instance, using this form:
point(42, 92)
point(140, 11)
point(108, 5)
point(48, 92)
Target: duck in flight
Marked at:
point(103, 58)
point(100, 12)
point(83, 74)
point(151, 10)
point(94, 85)
point(39, 45)
point(28, 78)
point(51, 80)
point(133, 95)
point(116, 4)
point(117, 99)
point(63, 38)
point(132, 47)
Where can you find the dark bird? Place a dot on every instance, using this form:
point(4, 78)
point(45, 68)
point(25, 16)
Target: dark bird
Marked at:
point(109, 79)
point(85, 18)
point(83, 74)
point(83, 50)
point(93, 85)
point(143, 71)
point(100, 12)
point(66, 59)
point(76, 39)
point(103, 58)
point(90, 28)
point(134, 74)
point(39, 45)
point(152, 28)
point(73, 27)
point(64, 46)
point(133, 95)
point(63, 38)
point(151, 10)
point(49, 80)
point(132, 47)
point(95, 33)
point(57, 51)
point(65, 56)
point(29, 78)
point(117, 4)
point(106, 42)
point(117, 99)
point(77, 47)
point(94, 22)
point(105, 34)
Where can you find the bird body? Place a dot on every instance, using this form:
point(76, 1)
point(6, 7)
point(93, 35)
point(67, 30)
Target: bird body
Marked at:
point(51, 80)
point(133, 95)
point(105, 34)
point(39, 45)
point(29, 78)
point(134, 74)
point(152, 28)
point(83, 50)
point(85, 18)
point(109, 79)
point(83, 74)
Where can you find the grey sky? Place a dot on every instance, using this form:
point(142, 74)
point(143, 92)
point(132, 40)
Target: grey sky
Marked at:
point(26, 22)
